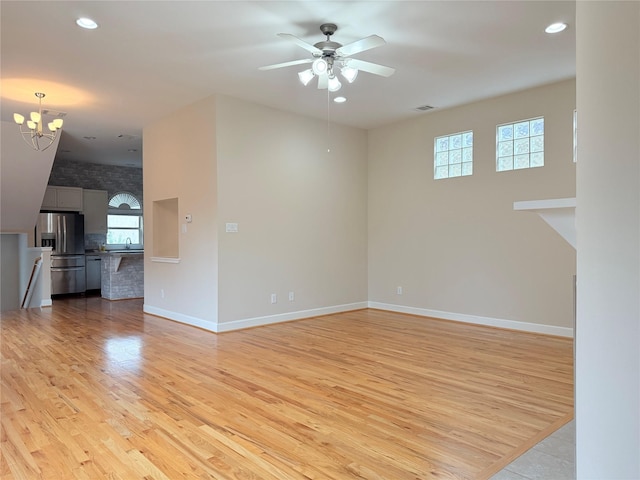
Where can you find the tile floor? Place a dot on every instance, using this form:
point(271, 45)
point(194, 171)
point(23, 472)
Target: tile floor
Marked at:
point(552, 458)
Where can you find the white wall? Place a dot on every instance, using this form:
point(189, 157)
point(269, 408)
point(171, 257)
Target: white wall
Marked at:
point(343, 229)
point(301, 213)
point(179, 161)
point(456, 246)
point(608, 229)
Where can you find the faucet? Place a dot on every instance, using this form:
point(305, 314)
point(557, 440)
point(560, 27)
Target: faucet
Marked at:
point(127, 243)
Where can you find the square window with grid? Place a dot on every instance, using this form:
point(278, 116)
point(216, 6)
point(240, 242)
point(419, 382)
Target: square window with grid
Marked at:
point(453, 155)
point(520, 145)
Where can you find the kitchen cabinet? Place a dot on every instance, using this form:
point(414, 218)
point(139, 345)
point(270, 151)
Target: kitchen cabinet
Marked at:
point(62, 199)
point(94, 271)
point(94, 208)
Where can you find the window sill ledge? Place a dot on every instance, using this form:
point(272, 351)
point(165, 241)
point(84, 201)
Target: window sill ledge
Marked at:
point(165, 259)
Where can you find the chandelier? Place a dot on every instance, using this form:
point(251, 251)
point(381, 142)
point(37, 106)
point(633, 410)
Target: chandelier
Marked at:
point(33, 135)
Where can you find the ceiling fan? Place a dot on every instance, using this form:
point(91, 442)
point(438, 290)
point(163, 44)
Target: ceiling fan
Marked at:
point(329, 56)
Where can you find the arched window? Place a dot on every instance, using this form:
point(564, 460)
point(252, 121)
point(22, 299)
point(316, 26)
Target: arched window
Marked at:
point(124, 201)
point(124, 221)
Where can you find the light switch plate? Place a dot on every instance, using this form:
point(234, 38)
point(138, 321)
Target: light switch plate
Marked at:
point(231, 228)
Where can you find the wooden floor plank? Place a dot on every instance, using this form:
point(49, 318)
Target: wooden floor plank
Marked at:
point(98, 389)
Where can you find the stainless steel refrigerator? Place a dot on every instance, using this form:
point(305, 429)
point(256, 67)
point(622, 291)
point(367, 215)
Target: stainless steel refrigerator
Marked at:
point(64, 233)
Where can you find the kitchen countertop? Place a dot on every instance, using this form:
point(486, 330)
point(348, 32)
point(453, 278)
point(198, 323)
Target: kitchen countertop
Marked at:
point(132, 251)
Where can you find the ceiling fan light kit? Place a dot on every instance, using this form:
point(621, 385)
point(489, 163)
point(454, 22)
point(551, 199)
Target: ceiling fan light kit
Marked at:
point(349, 73)
point(34, 135)
point(306, 76)
point(320, 66)
point(333, 84)
point(328, 55)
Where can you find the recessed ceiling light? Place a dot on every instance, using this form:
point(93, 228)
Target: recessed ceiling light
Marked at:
point(87, 23)
point(339, 99)
point(556, 27)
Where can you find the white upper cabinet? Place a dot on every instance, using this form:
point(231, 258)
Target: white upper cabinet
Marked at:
point(63, 198)
point(95, 211)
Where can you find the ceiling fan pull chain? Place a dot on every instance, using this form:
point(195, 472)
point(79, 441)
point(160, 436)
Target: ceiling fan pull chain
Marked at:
point(328, 124)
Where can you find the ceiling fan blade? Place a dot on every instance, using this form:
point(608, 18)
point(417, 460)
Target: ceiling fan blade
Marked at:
point(371, 67)
point(366, 43)
point(323, 81)
point(301, 43)
point(286, 64)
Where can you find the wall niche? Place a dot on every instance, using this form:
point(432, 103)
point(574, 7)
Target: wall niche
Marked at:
point(166, 227)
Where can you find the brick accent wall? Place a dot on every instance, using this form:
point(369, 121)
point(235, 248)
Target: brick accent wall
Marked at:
point(113, 179)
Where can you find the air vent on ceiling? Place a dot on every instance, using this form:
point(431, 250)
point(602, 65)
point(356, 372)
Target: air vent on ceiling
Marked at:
point(125, 136)
point(54, 113)
point(424, 108)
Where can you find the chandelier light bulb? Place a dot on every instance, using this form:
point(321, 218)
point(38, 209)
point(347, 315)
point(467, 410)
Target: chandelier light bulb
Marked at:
point(19, 119)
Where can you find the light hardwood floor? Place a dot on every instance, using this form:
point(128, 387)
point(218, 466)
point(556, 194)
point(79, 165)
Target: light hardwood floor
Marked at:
point(93, 389)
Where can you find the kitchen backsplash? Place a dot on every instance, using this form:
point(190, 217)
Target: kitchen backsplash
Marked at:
point(93, 241)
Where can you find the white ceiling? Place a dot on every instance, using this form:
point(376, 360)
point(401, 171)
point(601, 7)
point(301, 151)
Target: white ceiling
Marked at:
point(149, 58)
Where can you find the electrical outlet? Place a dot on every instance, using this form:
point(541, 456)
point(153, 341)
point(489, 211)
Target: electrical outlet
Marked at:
point(399, 290)
point(292, 296)
point(162, 292)
point(274, 298)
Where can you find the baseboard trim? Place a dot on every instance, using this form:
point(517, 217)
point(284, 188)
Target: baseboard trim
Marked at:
point(179, 317)
point(476, 319)
point(251, 322)
point(302, 314)
point(287, 317)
